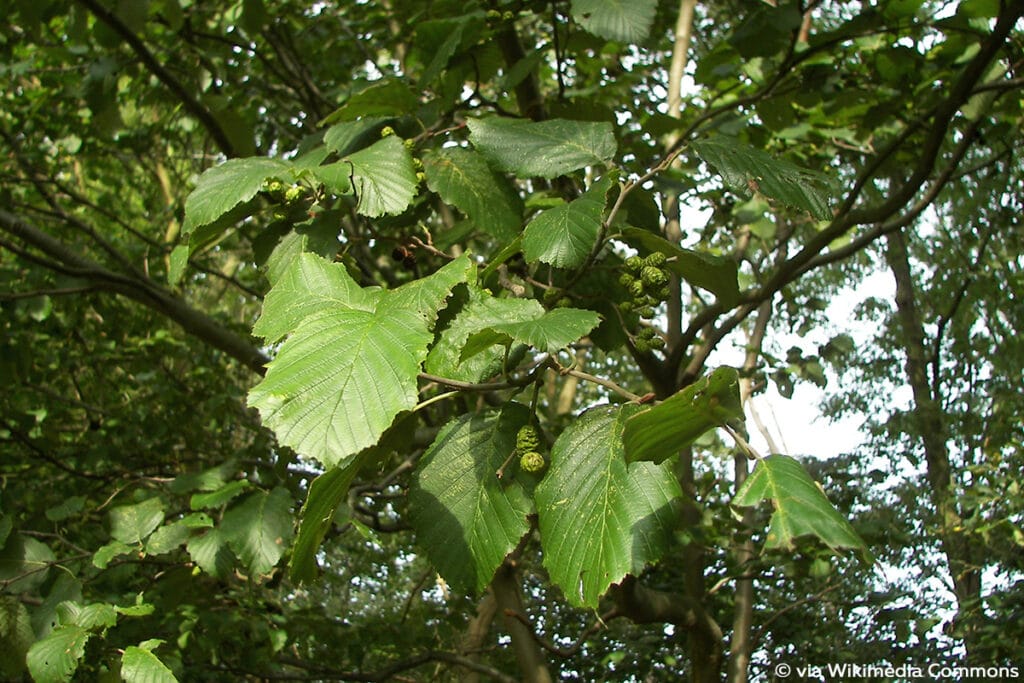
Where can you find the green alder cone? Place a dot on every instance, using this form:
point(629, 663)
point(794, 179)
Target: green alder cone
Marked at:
point(635, 263)
point(655, 260)
point(653, 277)
point(532, 461)
point(527, 439)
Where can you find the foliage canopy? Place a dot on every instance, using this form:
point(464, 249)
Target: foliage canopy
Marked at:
point(343, 340)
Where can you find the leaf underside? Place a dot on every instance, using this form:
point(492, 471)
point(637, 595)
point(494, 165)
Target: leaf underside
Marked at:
point(800, 507)
point(746, 169)
point(350, 363)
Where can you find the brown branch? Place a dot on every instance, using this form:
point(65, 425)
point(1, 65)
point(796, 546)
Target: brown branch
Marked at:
point(607, 383)
point(565, 652)
point(22, 438)
point(755, 640)
point(528, 95)
point(643, 605)
point(68, 291)
point(944, 113)
point(142, 290)
point(961, 91)
point(191, 104)
point(507, 592)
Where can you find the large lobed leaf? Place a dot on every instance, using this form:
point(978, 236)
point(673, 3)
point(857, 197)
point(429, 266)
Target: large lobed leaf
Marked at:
point(544, 149)
point(746, 169)
point(565, 235)
point(800, 507)
point(659, 433)
point(351, 361)
point(626, 21)
point(466, 518)
point(600, 521)
point(310, 285)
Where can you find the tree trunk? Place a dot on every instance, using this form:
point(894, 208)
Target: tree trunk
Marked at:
point(476, 633)
point(740, 645)
point(705, 651)
point(927, 414)
point(528, 654)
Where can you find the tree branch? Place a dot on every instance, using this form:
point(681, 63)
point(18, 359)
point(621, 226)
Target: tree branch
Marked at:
point(960, 92)
point(142, 290)
point(643, 605)
point(191, 104)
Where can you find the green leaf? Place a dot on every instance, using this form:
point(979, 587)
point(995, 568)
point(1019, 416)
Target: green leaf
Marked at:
point(133, 523)
point(16, 635)
point(67, 508)
point(24, 564)
point(383, 177)
point(550, 332)
point(326, 493)
point(766, 31)
point(748, 170)
point(389, 97)
point(55, 658)
point(480, 312)
point(259, 529)
point(565, 235)
point(219, 497)
point(224, 187)
point(351, 364)
point(625, 21)
point(105, 553)
point(210, 552)
point(139, 609)
point(599, 520)
point(466, 519)
point(207, 480)
point(800, 507)
point(167, 538)
point(427, 295)
point(97, 616)
point(347, 136)
point(65, 587)
point(139, 665)
point(545, 149)
point(336, 177)
point(661, 432)
point(716, 274)
point(440, 40)
point(178, 261)
point(463, 179)
point(310, 285)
